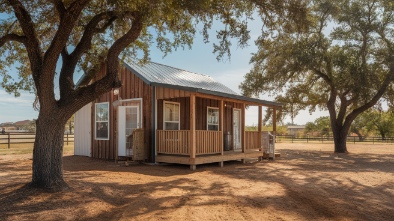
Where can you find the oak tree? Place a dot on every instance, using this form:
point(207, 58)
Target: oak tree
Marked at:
point(342, 61)
point(48, 41)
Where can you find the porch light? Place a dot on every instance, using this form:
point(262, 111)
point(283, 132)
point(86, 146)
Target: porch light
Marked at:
point(116, 91)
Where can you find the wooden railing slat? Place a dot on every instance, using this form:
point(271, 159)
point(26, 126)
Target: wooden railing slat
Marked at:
point(207, 142)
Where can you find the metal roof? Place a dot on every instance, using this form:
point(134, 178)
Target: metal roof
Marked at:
point(156, 74)
point(166, 75)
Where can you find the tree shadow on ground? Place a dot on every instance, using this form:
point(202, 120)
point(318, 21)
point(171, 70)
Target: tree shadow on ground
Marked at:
point(103, 201)
point(304, 185)
point(318, 184)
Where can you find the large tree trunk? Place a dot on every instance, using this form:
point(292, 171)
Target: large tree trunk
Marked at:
point(340, 136)
point(48, 153)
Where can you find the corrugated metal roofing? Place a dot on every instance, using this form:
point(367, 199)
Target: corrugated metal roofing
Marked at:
point(162, 74)
point(156, 74)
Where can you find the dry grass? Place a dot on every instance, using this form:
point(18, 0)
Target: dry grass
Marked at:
point(308, 182)
point(27, 148)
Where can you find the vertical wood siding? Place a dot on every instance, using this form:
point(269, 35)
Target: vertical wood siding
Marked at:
point(201, 112)
point(132, 87)
point(184, 103)
point(202, 105)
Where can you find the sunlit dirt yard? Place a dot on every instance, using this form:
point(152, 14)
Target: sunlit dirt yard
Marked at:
point(308, 182)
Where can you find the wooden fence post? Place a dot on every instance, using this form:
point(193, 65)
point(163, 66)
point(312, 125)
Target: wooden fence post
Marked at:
point(9, 141)
point(67, 138)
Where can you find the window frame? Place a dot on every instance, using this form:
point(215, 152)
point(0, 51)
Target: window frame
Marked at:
point(96, 121)
point(164, 114)
point(208, 124)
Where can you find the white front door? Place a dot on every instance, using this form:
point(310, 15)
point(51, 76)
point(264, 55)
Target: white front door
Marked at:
point(237, 129)
point(128, 121)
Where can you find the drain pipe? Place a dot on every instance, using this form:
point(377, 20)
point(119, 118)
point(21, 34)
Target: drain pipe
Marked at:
point(154, 109)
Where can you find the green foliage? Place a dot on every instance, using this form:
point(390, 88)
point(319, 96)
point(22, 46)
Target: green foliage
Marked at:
point(361, 125)
point(310, 127)
point(380, 122)
point(342, 61)
point(280, 130)
point(320, 125)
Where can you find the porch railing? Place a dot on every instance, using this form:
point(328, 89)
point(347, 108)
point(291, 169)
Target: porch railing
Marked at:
point(173, 142)
point(209, 142)
point(177, 142)
point(252, 140)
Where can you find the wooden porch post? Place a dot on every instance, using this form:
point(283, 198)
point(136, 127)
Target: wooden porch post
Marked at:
point(243, 128)
point(192, 130)
point(259, 127)
point(274, 120)
point(221, 126)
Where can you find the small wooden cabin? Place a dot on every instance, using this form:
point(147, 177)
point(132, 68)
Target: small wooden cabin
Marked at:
point(186, 118)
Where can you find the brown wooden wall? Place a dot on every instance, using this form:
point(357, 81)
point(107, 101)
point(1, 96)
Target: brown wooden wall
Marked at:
point(202, 105)
point(132, 87)
point(168, 93)
point(184, 105)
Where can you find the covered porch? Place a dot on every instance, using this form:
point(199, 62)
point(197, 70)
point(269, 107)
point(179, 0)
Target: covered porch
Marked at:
point(197, 142)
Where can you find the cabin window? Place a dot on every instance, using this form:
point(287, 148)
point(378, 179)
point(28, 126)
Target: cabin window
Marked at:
point(213, 118)
point(171, 116)
point(102, 121)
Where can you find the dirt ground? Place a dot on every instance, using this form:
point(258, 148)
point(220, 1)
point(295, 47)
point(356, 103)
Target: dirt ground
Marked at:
point(308, 182)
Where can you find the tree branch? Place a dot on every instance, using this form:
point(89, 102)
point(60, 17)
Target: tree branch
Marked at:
point(90, 30)
point(331, 108)
point(378, 95)
point(59, 7)
point(70, 61)
point(324, 76)
point(86, 94)
point(120, 44)
point(342, 109)
point(67, 23)
point(12, 37)
point(32, 43)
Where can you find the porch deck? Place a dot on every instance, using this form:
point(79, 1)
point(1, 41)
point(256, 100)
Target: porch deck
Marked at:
point(175, 147)
point(212, 158)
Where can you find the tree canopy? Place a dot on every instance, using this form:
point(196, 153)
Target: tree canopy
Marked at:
point(342, 61)
point(48, 40)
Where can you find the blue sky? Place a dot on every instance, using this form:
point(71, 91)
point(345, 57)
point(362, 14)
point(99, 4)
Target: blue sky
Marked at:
point(199, 59)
